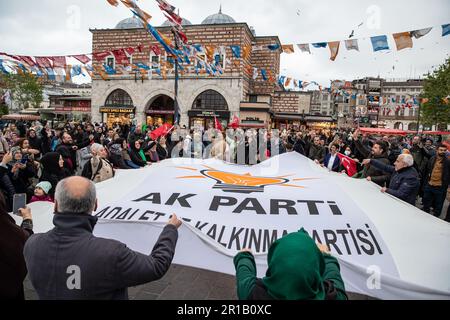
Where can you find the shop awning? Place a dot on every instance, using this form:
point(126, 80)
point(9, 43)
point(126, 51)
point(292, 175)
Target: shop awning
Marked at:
point(253, 125)
point(319, 119)
point(437, 133)
point(26, 117)
point(47, 110)
point(288, 116)
point(384, 131)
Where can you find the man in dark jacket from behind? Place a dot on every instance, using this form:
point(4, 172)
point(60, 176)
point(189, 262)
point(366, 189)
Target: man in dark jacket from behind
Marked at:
point(69, 262)
point(405, 180)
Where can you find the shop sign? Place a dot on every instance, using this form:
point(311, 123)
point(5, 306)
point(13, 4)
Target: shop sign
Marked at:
point(117, 110)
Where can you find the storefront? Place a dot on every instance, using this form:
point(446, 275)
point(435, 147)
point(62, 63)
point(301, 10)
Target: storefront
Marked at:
point(320, 122)
point(160, 111)
point(68, 108)
point(117, 115)
point(206, 119)
point(288, 121)
point(118, 109)
point(80, 114)
point(158, 118)
point(255, 115)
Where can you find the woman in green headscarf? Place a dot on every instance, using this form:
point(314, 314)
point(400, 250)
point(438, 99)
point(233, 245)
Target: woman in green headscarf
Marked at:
point(298, 270)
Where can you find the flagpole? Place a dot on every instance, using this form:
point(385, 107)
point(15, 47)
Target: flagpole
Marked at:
point(176, 105)
point(418, 120)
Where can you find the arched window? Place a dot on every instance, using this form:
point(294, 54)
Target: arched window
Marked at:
point(398, 125)
point(412, 126)
point(210, 100)
point(119, 97)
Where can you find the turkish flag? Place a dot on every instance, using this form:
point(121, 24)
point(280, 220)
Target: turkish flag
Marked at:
point(161, 131)
point(82, 58)
point(235, 123)
point(121, 56)
point(156, 50)
point(349, 164)
point(217, 124)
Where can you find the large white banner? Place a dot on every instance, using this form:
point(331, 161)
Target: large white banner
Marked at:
point(387, 248)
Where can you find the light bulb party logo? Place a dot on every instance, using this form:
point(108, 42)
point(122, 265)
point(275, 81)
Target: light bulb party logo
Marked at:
point(242, 183)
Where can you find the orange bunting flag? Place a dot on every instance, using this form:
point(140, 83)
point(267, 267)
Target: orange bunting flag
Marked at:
point(270, 77)
point(237, 63)
point(68, 70)
point(100, 71)
point(288, 48)
point(128, 3)
point(147, 17)
point(246, 51)
point(165, 39)
point(334, 49)
point(288, 81)
point(209, 50)
point(403, 40)
point(114, 3)
point(249, 69)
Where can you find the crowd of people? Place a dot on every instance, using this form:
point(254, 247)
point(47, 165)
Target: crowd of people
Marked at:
point(61, 163)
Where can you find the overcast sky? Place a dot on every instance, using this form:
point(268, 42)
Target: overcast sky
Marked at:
point(61, 27)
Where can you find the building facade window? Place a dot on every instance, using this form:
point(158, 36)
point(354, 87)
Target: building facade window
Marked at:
point(253, 98)
point(155, 61)
point(219, 59)
point(110, 62)
point(210, 100)
point(119, 97)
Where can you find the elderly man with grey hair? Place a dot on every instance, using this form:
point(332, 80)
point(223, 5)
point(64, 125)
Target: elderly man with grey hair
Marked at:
point(98, 168)
point(70, 263)
point(405, 180)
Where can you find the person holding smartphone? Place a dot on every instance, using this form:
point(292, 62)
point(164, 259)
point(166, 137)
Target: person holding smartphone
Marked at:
point(21, 169)
point(12, 241)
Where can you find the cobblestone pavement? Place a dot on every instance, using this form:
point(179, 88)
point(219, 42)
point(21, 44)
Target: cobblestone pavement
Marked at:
point(183, 283)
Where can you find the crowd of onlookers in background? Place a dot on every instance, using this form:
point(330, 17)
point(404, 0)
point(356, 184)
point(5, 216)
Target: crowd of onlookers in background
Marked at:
point(36, 156)
point(62, 163)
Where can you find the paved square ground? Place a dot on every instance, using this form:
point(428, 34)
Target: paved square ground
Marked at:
point(183, 283)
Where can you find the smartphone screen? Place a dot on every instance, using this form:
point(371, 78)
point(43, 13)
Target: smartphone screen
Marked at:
point(19, 202)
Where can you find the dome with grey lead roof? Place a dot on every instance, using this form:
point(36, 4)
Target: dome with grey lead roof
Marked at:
point(219, 18)
point(129, 23)
point(184, 22)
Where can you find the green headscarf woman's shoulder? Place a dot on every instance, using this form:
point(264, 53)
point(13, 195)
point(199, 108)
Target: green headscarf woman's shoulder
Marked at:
point(296, 268)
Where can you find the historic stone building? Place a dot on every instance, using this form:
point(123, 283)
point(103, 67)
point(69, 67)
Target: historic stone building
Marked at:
point(149, 98)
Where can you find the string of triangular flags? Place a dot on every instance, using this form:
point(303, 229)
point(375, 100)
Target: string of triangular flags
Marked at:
point(199, 59)
point(402, 40)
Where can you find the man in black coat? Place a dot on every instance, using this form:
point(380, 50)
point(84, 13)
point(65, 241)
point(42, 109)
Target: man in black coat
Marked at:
point(405, 181)
point(378, 152)
point(12, 240)
point(69, 262)
point(68, 151)
point(436, 180)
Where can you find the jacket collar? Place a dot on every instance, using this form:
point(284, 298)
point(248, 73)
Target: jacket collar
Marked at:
point(76, 223)
point(405, 169)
